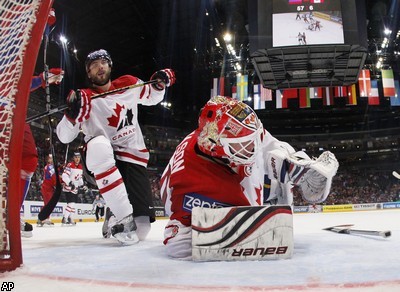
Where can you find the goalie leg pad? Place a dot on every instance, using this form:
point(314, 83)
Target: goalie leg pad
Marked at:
point(242, 233)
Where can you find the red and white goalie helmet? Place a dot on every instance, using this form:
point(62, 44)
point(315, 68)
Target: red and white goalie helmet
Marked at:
point(229, 129)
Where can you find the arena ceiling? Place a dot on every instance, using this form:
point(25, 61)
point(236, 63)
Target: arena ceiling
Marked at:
point(143, 36)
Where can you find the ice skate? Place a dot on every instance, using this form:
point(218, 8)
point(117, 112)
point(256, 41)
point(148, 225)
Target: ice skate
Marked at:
point(39, 223)
point(125, 231)
point(26, 229)
point(44, 223)
point(64, 222)
point(109, 222)
point(71, 222)
point(48, 223)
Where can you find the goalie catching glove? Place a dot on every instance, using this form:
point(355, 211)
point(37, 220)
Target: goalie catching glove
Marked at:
point(79, 106)
point(312, 177)
point(166, 78)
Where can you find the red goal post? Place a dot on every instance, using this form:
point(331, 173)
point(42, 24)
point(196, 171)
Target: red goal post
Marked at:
point(22, 24)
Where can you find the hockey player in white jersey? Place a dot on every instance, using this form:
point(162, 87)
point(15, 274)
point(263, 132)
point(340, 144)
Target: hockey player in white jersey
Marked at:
point(116, 152)
point(72, 180)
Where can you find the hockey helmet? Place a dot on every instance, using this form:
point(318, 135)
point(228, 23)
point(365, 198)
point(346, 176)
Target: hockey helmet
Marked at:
point(77, 154)
point(97, 55)
point(229, 129)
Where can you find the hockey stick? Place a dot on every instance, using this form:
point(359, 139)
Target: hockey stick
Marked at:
point(346, 229)
point(49, 207)
point(64, 107)
point(396, 174)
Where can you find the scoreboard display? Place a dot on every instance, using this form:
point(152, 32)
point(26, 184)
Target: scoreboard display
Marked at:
point(284, 6)
point(306, 22)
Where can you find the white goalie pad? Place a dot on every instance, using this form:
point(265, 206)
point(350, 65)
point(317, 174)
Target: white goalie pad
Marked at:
point(242, 233)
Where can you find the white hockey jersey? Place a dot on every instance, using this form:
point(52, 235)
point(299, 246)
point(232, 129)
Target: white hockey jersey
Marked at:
point(115, 116)
point(72, 174)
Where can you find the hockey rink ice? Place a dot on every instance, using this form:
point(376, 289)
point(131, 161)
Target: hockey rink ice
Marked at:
point(65, 259)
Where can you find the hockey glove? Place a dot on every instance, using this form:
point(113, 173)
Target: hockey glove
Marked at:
point(79, 106)
point(71, 186)
point(56, 75)
point(312, 177)
point(166, 78)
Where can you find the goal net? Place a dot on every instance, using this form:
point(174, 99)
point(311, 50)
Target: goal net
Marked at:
point(22, 23)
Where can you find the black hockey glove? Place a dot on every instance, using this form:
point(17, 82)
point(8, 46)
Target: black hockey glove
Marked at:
point(166, 78)
point(74, 105)
point(71, 185)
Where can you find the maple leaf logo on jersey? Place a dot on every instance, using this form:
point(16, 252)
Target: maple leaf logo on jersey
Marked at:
point(113, 121)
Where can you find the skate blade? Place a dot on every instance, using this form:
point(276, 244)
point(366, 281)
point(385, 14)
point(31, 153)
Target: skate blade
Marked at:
point(127, 239)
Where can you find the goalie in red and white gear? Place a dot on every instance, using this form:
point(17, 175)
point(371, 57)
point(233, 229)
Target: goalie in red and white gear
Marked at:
point(226, 161)
point(116, 152)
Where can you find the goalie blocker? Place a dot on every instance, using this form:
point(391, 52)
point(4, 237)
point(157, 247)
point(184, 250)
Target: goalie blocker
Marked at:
point(242, 233)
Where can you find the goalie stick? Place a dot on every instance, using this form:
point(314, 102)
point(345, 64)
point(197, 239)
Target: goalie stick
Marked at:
point(396, 174)
point(64, 107)
point(346, 229)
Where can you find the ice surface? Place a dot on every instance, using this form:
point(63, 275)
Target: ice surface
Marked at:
point(59, 259)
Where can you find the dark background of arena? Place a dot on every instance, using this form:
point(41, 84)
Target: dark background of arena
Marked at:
point(143, 36)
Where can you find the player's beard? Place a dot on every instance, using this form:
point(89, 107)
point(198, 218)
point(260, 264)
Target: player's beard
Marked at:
point(101, 80)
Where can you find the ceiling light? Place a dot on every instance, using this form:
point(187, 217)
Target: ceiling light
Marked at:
point(63, 39)
point(227, 37)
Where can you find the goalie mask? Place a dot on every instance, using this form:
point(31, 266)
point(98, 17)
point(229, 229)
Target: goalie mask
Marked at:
point(97, 55)
point(229, 129)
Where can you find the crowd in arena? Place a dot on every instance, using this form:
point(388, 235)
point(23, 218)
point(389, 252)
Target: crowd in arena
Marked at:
point(349, 186)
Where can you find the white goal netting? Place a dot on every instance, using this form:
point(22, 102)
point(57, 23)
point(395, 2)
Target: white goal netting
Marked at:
point(18, 23)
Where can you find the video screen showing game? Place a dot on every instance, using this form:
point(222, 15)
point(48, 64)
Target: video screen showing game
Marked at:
point(306, 22)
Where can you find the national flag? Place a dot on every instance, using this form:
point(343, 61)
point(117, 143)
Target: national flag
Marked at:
point(373, 95)
point(234, 94)
point(214, 89)
point(352, 95)
point(340, 91)
point(292, 2)
point(317, 1)
point(258, 102)
point(279, 98)
point(304, 97)
point(288, 94)
point(328, 96)
point(364, 82)
point(319, 92)
point(221, 86)
point(266, 94)
point(241, 83)
point(388, 83)
point(395, 100)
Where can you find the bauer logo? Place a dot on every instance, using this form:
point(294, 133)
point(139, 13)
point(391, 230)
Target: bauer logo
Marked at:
point(195, 200)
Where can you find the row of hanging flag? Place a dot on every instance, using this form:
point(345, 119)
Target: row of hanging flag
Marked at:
point(366, 88)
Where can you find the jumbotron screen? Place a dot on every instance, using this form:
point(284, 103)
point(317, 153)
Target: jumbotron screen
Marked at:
point(306, 22)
